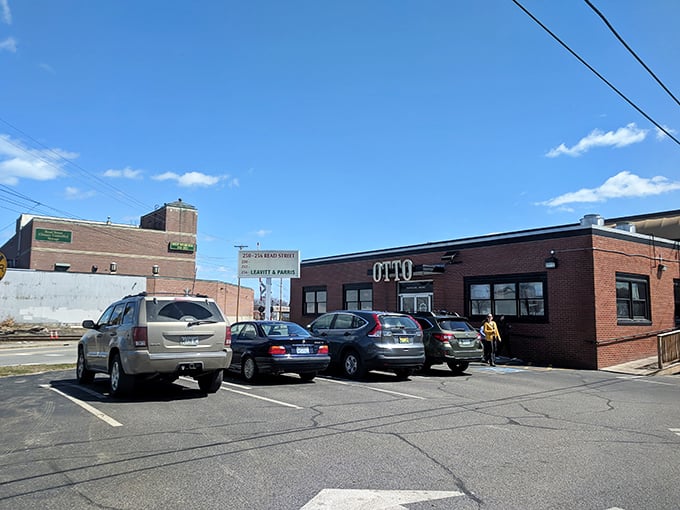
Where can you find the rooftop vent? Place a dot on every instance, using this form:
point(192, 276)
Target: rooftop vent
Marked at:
point(626, 226)
point(592, 219)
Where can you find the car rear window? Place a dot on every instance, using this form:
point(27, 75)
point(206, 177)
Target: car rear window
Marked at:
point(397, 322)
point(455, 325)
point(182, 311)
point(284, 329)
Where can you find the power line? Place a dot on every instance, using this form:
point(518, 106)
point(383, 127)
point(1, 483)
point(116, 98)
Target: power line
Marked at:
point(621, 94)
point(606, 22)
point(97, 180)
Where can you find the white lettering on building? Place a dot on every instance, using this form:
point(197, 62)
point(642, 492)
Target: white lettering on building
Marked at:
point(399, 269)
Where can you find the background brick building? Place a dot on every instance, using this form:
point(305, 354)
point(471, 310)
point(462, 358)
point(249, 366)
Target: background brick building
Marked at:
point(162, 249)
point(589, 295)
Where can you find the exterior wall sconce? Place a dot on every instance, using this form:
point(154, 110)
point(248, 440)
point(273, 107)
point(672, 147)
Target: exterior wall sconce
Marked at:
point(155, 269)
point(551, 262)
point(95, 269)
point(113, 267)
point(660, 269)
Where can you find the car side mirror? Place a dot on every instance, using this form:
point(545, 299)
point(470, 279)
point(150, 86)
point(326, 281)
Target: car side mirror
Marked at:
point(89, 324)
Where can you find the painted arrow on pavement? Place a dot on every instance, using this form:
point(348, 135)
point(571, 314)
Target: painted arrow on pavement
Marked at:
point(357, 499)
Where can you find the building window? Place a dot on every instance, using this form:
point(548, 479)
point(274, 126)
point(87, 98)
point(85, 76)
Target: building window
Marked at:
point(314, 300)
point(632, 298)
point(358, 296)
point(521, 296)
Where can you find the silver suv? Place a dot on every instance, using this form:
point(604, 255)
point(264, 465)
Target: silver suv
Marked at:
point(144, 337)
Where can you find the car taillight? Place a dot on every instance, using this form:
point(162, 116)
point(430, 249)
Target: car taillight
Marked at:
point(376, 332)
point(277, 349)
point(227, 337)
point(140, 338)
point(323, 349)
point(443, 337)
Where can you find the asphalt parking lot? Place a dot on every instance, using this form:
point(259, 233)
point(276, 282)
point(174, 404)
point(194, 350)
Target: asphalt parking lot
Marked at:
point(494, 437)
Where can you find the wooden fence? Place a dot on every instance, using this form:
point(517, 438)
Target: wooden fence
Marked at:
point(668, 348)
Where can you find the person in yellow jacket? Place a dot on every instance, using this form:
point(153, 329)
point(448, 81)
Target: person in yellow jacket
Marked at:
point(491, 337)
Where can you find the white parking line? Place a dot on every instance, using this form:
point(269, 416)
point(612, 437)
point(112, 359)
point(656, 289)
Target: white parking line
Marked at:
point(407, 395)
point(243, 387)
point(643, 378)
point(87, 407)
point(262, 398)
point(249, 394)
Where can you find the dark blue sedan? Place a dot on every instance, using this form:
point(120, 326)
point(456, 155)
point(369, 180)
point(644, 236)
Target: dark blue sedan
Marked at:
point(275, 347)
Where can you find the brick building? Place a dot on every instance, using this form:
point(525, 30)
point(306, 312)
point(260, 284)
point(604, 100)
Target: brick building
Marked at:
point(588, 295)
point(162, 248)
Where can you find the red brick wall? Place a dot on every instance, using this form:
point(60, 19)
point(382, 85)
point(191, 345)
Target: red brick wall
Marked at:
point(224, 293)
point(581, 293)
point(621, 343)
point(134, 250)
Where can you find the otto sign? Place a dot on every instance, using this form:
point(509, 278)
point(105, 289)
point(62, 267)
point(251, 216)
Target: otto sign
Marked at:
point(398, 269)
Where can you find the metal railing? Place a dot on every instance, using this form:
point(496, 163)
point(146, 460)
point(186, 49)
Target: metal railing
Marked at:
point(668, 348)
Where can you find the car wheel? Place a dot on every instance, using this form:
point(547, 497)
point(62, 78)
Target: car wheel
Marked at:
point(210, 383)
point(458, 367)
point(83, 374)
point(352, 365)
point(120, 382)
point(249, 369)
point(307, 376)
point(403, 373)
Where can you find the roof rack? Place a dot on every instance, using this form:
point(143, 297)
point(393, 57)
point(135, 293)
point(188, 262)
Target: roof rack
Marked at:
point(185, 294)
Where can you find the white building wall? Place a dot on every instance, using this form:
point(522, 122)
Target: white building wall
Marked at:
point(41, 297)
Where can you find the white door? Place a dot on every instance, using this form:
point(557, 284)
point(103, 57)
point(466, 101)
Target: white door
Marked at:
point(415, 302)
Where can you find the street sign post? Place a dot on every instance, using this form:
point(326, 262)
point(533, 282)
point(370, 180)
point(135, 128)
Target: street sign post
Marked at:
point(268, 264)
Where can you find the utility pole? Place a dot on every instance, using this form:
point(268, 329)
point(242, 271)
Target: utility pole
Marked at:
point(238, 271)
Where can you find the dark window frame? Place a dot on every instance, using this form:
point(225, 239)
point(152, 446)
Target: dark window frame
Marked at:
point(357, 287)
point(676, 298)
point(315, 289)
point(633, 318)
point(506, 279)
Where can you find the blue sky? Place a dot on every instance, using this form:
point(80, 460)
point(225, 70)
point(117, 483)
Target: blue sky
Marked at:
point(333, 127)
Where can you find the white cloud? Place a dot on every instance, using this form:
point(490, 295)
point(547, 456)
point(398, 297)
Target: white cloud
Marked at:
point(47, 67)
point(262, 232)
point(71, 193)
point(190, 179)
point(9, 44)
point(6, 13)
point(619, 138)
point(126, 173)
point(20, 162)
point(622, 185)
point(660, 135)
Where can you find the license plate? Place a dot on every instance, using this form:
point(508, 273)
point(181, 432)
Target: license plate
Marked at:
point(188, 340)
point(302, 350)
point(404, 340)
point(465, 343)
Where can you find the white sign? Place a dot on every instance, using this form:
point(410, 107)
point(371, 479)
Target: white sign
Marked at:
point(268, 264)
point(399, 269)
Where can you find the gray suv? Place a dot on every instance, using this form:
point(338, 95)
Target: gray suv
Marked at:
point(145, 337)
point(359, 341)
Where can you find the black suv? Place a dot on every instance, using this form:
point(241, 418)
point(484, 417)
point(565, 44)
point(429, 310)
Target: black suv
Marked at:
point(449, 338)
point(359, 341)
